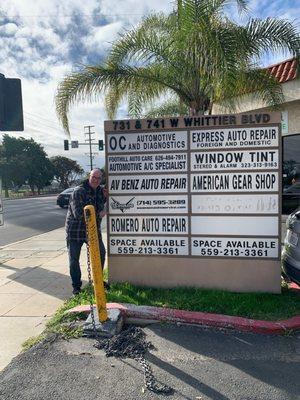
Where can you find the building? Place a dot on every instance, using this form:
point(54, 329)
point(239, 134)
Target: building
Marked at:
point(287, 73)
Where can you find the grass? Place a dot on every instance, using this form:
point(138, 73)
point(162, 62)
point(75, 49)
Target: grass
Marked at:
point(264, 306)
point(250, 305)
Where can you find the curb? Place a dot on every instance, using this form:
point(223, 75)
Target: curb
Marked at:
point(156, 314)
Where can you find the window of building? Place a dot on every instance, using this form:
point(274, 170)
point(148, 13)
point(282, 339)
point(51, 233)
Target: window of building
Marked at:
point(291, 173)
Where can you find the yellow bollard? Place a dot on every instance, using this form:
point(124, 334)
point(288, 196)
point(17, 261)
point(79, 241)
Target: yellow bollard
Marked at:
point(93, 243)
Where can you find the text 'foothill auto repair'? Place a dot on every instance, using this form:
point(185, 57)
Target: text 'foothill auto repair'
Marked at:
point(201, 194)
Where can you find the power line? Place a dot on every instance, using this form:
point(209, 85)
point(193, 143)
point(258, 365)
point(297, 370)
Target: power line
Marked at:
point(44, 124)
point(47, 120)
point(45, 131)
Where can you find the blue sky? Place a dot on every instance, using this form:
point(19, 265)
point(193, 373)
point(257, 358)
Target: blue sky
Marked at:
point(43, 40)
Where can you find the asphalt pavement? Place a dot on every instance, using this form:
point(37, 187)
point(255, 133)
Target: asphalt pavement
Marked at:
point(199, 364)
point(24, 218)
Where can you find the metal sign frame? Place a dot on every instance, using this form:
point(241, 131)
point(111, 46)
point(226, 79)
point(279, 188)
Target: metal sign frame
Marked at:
point(132, 146)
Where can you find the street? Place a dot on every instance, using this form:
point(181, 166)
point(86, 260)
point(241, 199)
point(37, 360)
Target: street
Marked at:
point(24, 218)
point(198, 363)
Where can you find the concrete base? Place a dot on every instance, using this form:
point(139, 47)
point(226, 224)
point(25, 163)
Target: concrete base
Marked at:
point(235, 275)
point(109, 328)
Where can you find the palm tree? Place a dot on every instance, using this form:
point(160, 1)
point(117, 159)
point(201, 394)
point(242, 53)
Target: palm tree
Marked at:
point(195, 57)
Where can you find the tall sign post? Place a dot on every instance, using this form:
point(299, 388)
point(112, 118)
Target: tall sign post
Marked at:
point(195, 201)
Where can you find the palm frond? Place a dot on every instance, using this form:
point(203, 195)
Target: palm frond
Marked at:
point(169, 107)
point(272, 35)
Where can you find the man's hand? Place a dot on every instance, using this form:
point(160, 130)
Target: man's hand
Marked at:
point(102, 213)
point(105, 192)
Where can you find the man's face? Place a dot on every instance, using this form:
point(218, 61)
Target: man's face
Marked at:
point(95, 179)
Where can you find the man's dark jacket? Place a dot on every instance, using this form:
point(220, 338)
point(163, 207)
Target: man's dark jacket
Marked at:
point(82, 196)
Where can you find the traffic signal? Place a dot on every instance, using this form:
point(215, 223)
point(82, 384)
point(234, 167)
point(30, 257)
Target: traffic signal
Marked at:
point(66, 144)
point(11, 108)
point(101, 144)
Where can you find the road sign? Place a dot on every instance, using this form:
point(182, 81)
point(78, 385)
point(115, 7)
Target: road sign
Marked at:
point(74, 144)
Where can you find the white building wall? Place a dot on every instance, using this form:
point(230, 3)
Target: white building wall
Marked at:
point(291, 92)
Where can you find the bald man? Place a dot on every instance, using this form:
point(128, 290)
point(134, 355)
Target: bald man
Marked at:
point(88, 193)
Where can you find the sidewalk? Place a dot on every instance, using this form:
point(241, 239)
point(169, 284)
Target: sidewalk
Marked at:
point(34, 282)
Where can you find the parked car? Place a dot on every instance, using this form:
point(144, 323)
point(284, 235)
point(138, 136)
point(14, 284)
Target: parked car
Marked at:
point(291, 252)
point(290, 198)
point(64, 197)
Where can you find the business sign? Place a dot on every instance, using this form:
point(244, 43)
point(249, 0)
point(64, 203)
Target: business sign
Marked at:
point(232, 225)
point(170, 204)
point(147, 163)
point(235, 182)
point(232, 204)
point(146, 141)
point(196, 188)
point(147, 183)
point(162, 246)
point(207, 246)
point(148, 225)
point(238, 159)
point(243, 138)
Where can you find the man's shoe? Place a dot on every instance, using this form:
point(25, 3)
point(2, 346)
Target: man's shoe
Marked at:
point(76, 291)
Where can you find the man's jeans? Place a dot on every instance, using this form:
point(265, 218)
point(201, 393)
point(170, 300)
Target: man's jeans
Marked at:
point(74, 248)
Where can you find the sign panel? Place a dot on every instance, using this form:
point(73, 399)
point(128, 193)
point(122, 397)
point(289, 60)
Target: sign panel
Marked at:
point(147, 163)
point(220, 225)
point(151, 245)
point(237, 159)
point(233, 204)
point(235, 182)
point(174, 225)
point(263, 136)
point(204, 189)
point(147, 184)
point(146, 141)
point(234, 247)
point(162, 204)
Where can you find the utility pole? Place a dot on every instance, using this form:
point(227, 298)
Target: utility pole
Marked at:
point(89, 140)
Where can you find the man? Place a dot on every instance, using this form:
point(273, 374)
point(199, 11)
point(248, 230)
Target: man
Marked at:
point(88, 193)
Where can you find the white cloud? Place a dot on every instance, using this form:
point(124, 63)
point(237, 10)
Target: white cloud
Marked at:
point(102, 36)
point(9, 29)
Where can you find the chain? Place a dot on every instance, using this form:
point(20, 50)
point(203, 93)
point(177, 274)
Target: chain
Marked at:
point(91, 286)
point(130, 343)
